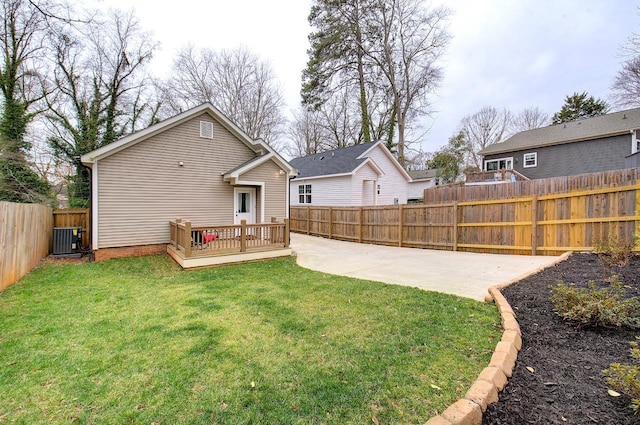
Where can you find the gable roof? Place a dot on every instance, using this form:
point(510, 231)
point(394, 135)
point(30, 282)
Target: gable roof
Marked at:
point(417, 175)
point(341, 161)
point(598, 127)
point(337, 161)
point(258, 146)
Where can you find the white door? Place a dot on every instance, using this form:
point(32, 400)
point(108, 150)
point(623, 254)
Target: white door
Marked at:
point(244, 205)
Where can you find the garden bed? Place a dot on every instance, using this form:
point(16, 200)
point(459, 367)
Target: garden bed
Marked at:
point(567, 385)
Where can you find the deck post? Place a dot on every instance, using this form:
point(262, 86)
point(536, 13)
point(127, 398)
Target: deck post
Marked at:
point(286, 233)
point(243, 236)
point(187, 239)
point(272, 230)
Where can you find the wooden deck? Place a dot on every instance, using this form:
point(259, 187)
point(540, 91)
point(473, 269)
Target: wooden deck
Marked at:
point(202, 246)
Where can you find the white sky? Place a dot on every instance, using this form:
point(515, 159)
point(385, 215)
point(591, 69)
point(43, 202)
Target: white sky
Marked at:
point(504, 53)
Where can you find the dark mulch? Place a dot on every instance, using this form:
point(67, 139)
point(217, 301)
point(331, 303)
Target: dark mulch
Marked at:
point(567, 386)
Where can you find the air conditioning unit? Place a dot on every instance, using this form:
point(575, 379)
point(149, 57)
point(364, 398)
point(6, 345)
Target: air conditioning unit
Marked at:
point(67, 241)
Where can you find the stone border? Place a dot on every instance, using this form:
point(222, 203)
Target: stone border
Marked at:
point(484, 391)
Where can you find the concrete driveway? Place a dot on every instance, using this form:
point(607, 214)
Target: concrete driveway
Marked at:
point(459, 273)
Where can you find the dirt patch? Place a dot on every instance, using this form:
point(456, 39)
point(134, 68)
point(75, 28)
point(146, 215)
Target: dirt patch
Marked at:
point(567, 385)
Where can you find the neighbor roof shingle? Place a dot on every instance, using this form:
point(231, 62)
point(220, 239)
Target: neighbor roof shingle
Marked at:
point(574, 131)
point(338, 161)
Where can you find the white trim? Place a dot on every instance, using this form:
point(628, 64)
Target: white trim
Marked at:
point(535, 159)
point(390, 156)
point(235, 174)
point(373, 165)
point(324, 176)
point(254, 192)
point(287, 186)
point(634, 141)
point(261, 185)
point(506, 159)
point(94, 205)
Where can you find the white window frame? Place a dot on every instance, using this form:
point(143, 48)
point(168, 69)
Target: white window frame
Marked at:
point(533, 156)
point(206, 129)
point(508, 163)
point(304, 193)
point(635, 142)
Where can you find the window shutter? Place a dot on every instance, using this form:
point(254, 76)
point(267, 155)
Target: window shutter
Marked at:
point(206, 129)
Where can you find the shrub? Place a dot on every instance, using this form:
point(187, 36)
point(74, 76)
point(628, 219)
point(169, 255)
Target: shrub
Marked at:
point(593, 307)
point(614, 251)
point(625, 378)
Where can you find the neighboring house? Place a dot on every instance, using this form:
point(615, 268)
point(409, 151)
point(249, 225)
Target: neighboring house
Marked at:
point(197, 166)
point(421, 180)
point(602, 143)
point(364, 174)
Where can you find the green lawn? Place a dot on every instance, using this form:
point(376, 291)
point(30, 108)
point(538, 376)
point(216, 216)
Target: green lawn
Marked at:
point(141, 341)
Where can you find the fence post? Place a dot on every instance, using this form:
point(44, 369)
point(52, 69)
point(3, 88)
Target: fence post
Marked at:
point(187, 239)
point(330, 222)
point(455, 225)
point(534, 223)
point(243, 236)
point(400, 224)
point(286, 233)
point(308, 220)
point(361, 223)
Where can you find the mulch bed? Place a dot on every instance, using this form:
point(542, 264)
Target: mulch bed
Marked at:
point(567, 385)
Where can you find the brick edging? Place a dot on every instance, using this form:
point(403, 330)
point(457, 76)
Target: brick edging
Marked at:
point(484, 391)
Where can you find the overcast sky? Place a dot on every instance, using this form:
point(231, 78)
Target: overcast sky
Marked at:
point(504, 53)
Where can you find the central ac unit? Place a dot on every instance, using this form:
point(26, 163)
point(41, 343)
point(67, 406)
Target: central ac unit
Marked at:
point(67, 241)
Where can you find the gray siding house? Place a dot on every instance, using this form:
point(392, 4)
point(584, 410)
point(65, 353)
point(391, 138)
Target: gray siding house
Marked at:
point(197, 166)
point(602, 143)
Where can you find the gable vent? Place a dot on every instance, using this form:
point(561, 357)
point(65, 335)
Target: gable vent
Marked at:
point(206, 129)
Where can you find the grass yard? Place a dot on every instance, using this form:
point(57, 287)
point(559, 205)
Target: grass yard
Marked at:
point(141, 341)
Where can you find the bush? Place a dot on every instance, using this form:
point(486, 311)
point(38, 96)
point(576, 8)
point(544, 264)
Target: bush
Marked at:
point(625, 378)
point(593, 307)
point(614, 251)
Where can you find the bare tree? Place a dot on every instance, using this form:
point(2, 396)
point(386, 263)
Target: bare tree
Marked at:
point(487, 126)
point(530, 118)
point(408, 40)
point(99, 97)
point(306, 133)
point(626, 86)
point(237, 82)
point(340, 123)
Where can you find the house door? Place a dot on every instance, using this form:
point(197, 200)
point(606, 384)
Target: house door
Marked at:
point(368, 192)
point(244, 205)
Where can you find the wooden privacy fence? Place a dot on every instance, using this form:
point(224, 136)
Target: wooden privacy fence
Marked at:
point(74, 217)
point(547, 224)
point(25, 238)
point(564, 184)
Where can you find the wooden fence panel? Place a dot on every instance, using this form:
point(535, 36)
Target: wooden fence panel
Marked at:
point(450, 193)
point(25, 238)
point(74, 217)
point(548, 224)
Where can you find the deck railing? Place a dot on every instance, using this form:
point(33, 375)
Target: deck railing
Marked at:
point(495, 176)
point(198, 241)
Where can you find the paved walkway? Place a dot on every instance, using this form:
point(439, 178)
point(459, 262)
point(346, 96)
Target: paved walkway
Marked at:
point(459, 273)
